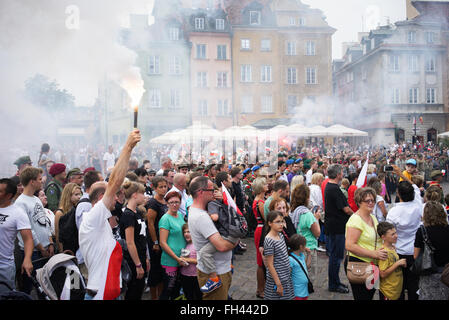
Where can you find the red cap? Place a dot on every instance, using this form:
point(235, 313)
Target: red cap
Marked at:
point(57, 168)
point(88, 169)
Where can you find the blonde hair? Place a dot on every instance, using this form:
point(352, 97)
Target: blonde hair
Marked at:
point(296, 181)
point(371, 168)
point(317, 178)
point(131, 187)
point(65, 203)
point(258, 185)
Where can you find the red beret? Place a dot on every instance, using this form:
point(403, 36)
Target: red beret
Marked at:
point(89, 169)
point(56, 168)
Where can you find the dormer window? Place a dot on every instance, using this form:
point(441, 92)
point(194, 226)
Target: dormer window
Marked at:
point(219, 24)
point(254, 17)
point(199, 23)
point(173, 33)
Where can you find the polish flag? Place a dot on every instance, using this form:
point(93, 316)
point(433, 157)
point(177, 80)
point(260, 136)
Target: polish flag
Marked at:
point(361, 181)
point(227, 199)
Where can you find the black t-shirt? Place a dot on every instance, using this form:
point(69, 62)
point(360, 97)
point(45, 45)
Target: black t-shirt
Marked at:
point(136, 220)
point(160, 209)
point(439, 239)
point(239, 196)
point(335, 218)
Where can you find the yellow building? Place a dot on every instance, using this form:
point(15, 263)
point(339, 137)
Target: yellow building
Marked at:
point(281, 54)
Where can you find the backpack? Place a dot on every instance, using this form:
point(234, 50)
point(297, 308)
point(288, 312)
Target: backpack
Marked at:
point(231, 221)
point(68, 232)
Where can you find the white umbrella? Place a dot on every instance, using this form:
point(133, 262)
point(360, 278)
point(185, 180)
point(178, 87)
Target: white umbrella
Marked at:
point(338, 130)
point(444, 135)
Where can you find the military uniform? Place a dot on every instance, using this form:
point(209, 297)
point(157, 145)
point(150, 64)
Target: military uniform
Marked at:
point(53, 193)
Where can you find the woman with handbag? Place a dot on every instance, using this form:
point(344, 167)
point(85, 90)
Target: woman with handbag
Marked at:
point(434, 232)
point(364, 246)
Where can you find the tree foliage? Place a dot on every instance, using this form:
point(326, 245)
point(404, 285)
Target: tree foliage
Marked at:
point(42, 91)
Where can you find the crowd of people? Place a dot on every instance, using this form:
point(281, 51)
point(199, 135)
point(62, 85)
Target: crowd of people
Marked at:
point(166, 230)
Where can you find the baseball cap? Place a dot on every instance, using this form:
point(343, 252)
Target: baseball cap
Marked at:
point(411, 161)
point(22, 160)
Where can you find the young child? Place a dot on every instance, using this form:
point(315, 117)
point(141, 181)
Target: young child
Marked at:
point(344, 187)
point(207, 252)
point(278, 285)
point(298, 249)
point(189, 278)
point(391, 277)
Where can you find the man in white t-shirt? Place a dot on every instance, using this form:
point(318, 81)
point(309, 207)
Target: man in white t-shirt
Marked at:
point(179, 185)
point(108, 160)
point(101, 252)
point(203, 231)
point(13, 220)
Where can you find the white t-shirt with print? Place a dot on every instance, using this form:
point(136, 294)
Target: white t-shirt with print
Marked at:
point(100, 251)
point(12, 220)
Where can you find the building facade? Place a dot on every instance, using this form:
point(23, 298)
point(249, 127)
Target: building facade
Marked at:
point(393, 84)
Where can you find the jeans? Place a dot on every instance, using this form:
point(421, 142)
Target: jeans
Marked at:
point(411, 281)
point(336, 254)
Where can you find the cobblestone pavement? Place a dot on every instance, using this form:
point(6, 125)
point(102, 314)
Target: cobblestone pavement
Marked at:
point(243, 285)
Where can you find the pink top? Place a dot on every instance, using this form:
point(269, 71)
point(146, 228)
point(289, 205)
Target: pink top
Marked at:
point(190, 270)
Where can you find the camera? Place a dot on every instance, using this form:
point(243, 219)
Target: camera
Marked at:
point(388, 168)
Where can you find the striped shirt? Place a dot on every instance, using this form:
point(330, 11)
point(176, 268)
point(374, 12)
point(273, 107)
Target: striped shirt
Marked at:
point(278, 249)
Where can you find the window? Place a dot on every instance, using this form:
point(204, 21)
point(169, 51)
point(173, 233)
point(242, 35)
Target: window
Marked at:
point(430, 95)
point(245, 44)
point(413, 63)
point(199, 23)
point(395, 96)
point(254, 17)
point(265, 45)
point(245, 73)
point(413, 95)
point(310, 48)
point(173, 34)
point(222, 79)
point(222, 107)
point(265, 74)
point(394, 63)
point(267, 104)
point(292, 21)
point(247, 104)
point(430, 37)
point(175, 65)
point(202, 107)
point(430, 64)
point(201, 51)
point(201, 79)
point(311, 75)
point(154, 96)
point(411, 37)
point(291, 103)
point(292, 76)
point(175, 98)
point(153, 65)
point(302, 21)
point(219, 24)
point(291, 48)
point(221, 52)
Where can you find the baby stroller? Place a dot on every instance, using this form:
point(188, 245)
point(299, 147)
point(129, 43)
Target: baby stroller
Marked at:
point(60, 279)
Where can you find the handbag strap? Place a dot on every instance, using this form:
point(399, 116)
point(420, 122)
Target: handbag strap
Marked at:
point(300, 264)
point(426, 238)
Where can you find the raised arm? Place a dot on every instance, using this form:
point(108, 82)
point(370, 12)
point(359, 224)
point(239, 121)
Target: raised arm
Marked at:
point(121, 167)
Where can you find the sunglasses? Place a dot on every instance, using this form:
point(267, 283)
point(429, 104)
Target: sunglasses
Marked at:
point(210, 190)
point(369, 201)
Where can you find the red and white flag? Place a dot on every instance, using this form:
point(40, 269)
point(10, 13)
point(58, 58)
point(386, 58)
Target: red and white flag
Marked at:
point(227, 199)
point(361, 181)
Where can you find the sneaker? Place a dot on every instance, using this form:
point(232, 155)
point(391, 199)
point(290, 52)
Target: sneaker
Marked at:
point(210, 286)
point(321, 249)
point(340, 289)
point(147, 289)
